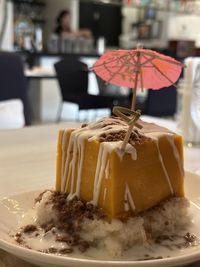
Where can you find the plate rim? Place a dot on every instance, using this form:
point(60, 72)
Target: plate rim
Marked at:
point(29, 254)
point(45, 258)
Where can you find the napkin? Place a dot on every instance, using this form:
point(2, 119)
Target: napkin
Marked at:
point(11, 114)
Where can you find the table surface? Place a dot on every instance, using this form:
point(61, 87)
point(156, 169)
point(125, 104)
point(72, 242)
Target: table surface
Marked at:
point(33, 148)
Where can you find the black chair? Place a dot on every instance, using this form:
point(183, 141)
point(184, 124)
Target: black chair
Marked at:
point(161, 102)
point(73, 80)
point(113, 92)
point(13, 82)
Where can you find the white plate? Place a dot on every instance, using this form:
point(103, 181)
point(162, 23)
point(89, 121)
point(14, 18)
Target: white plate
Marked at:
point(12, 207)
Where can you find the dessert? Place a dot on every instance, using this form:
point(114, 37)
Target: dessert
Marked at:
point(109, 202)
point(91, 166)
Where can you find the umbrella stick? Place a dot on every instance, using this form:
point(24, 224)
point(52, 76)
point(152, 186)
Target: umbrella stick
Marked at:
point(141, 80)
point(134, 97)
point(134, 90)
point(136, 81)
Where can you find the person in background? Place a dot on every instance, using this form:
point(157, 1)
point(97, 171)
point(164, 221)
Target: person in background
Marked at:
point(63, 27)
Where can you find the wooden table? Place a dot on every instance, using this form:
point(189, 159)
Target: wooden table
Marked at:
point(29, 153)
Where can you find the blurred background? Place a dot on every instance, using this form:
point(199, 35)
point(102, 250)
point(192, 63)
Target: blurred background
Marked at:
point(37, 34)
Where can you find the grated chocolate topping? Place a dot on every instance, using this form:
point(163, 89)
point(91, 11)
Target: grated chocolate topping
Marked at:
point(30, 228)
point(84, 125)
point(70, 216)
point(190, 238)
point(114, 133)
point(67, 228)
point(68, 225)
point(136, 137)
point(71, 212)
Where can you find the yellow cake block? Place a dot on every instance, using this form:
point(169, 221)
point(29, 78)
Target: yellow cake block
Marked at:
point(92, 166)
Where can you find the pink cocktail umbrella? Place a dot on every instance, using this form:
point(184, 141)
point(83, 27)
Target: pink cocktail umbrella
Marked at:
point(139, 68)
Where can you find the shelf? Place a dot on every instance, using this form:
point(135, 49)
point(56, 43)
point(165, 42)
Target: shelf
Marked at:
point(31, 3)
point(133, 4)
point(50, 54)
point(39, 21)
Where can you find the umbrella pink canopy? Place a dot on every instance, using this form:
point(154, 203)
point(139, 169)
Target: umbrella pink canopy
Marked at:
point(139, 68)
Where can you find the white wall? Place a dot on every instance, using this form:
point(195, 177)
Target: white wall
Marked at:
point(184, 27)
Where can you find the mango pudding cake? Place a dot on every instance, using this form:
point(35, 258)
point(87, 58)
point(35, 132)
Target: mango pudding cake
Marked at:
point(111, 201)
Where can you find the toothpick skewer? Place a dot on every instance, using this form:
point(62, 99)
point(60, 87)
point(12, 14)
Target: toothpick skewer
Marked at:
point(128, 134)
point(132, 121)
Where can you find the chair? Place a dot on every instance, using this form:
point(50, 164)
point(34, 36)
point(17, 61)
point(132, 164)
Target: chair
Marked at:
point(13, 82)
point(114, 93)
point(161, 102)
point(73, 80)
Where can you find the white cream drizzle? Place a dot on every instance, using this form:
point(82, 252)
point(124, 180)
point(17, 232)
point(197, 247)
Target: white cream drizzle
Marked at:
point(155, 136)
point(126, 205)
point(164, 169)
point(107, 170)
point(176, 153)
point(75, 156)
point(128, 199)
point(100, 169)
point(63, 146)
point(64, 173)
point(80, 165)
point(104, 195)
point(129, 150)
point(44, 241)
